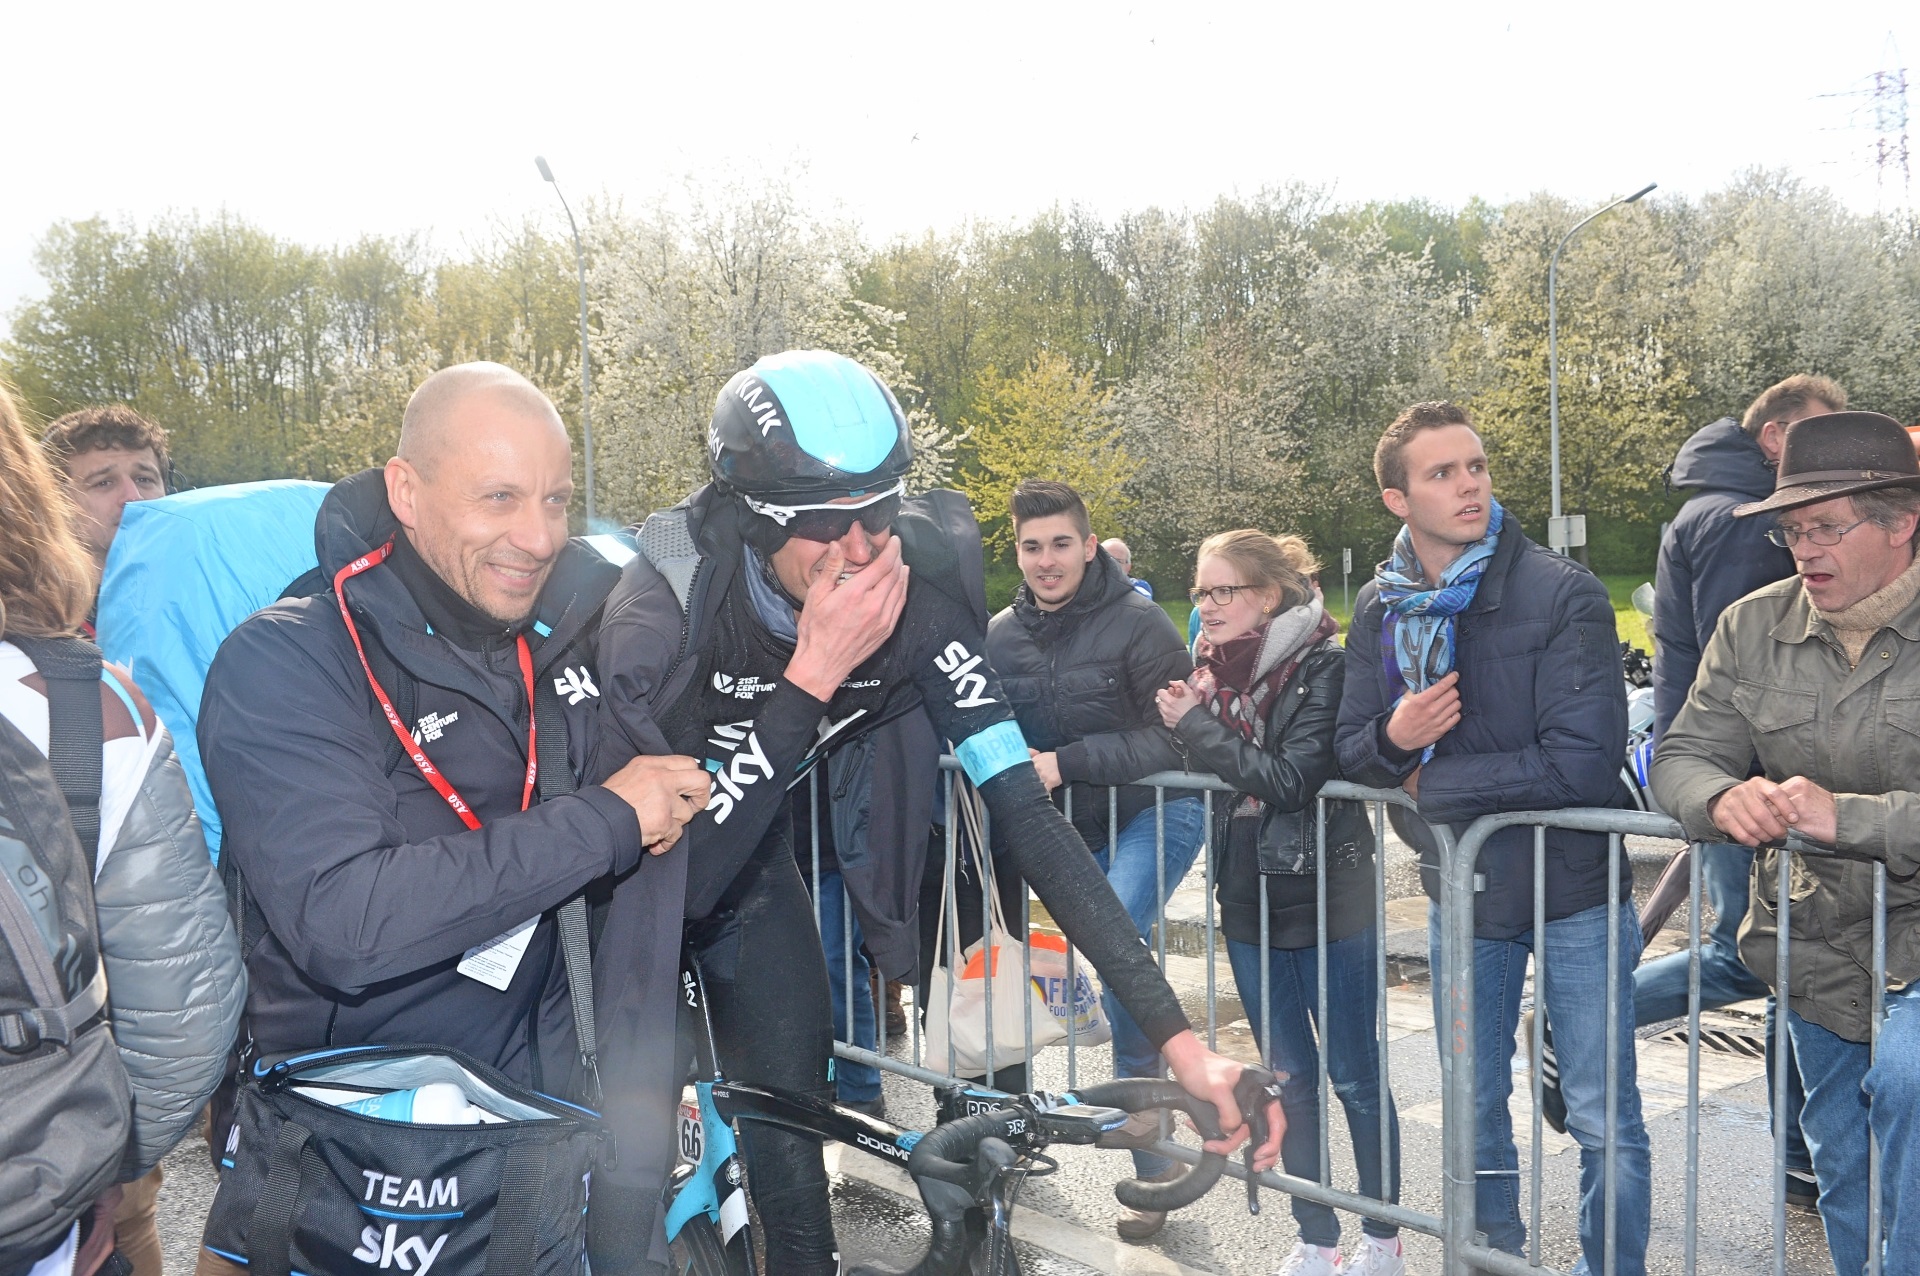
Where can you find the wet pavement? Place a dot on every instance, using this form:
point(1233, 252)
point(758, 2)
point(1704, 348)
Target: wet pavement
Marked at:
point(878, 1225)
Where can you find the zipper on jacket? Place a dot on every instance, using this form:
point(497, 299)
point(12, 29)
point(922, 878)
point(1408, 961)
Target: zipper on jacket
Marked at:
point(686, 620)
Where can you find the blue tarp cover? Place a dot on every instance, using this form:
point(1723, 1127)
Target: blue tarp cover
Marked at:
point(183, 571)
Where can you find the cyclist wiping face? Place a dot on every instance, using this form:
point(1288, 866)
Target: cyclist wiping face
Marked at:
point(739, 638)
point(861, 534)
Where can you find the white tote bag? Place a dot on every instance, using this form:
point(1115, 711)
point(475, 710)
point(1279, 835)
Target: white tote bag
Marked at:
point(1075, 1001)
point(957, 1003)
point(1062, 976)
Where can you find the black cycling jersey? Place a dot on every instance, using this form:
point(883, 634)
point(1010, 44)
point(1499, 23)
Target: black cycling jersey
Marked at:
point(714, 687)
point(733, 707)
point(757, 743)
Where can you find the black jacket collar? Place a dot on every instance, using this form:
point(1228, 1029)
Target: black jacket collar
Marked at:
point(355, 519)
point(1493, 582)
point(444, 610)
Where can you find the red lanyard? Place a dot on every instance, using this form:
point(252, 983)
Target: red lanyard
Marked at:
point(414, 751)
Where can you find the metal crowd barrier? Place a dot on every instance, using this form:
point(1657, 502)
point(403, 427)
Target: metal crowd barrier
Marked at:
point(1464, 1247)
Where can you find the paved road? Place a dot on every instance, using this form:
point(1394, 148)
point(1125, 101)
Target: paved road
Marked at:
point(1065, 1220)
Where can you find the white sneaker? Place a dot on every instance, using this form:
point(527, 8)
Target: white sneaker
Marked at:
point(1310, 1260)
point(1377, 1258)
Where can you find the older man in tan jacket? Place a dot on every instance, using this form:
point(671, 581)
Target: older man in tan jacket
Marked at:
point(1817, 680)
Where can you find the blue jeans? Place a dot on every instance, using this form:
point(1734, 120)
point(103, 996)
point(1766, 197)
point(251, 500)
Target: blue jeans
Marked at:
point(1132, 870)
point(1847, 1093)
point(1353, 1065)
point(1660, 987)
point(853, 1082)
point(1574, 995)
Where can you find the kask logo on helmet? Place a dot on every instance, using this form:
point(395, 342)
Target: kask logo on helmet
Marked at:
point(761, 403)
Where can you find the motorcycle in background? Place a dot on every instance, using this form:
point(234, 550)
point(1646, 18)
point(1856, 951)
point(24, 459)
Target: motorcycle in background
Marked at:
point(1636, 666)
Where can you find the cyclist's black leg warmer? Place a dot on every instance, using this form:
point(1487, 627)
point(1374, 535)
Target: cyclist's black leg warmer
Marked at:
point(773, 1018)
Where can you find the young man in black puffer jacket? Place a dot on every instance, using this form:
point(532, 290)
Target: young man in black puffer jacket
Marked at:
point(1080, 653)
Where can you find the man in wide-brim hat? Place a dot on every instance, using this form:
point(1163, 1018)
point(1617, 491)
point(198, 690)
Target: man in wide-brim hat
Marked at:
point(1817, 678)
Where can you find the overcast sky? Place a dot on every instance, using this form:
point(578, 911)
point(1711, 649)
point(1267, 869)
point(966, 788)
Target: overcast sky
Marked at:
point(324, 122)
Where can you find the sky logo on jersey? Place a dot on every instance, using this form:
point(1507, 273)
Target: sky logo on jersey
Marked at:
point(970, 688)
point(748, 765)
point(575, 684)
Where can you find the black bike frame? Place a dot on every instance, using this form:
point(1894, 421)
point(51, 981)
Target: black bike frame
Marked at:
point(804, 1115)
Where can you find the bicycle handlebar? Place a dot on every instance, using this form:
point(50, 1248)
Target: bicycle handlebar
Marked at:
point(958, 1164)
point(1139, 1096)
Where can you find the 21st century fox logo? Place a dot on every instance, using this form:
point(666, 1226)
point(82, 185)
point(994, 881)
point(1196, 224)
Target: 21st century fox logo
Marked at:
point(744, 686)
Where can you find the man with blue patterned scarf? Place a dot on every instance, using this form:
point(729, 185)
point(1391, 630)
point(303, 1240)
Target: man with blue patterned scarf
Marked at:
point(1483, 677)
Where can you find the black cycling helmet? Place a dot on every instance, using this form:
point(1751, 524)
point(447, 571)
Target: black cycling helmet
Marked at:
point(807, 424)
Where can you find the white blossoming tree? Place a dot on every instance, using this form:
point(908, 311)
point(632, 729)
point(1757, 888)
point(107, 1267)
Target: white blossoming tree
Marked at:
point(688, 295)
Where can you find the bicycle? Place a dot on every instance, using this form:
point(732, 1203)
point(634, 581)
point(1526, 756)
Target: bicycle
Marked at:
point(968, 1168)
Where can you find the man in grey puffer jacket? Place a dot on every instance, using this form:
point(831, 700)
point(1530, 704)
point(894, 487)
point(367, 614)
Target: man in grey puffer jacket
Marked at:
point(174, 978)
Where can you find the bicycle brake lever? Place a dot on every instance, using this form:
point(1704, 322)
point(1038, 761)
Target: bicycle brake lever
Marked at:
point(1255, 1089)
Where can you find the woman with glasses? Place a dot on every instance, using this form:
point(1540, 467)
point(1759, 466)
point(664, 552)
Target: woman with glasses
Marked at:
point(1259, 712)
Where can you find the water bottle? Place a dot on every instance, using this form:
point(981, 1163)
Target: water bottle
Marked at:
point(438, 1103)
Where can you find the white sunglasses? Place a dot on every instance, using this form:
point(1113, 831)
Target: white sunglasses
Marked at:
point(783, 514)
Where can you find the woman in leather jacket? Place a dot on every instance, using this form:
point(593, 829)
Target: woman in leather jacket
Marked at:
point(1259, 712)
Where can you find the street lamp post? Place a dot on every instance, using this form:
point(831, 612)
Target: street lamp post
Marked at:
point(1553, 341)
point(586, 368)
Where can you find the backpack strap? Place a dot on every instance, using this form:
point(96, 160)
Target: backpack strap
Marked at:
point(76, 733)
point(22, 1031)
point(557, 780)
point(666, 541)
point(940, 540)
